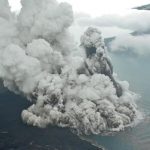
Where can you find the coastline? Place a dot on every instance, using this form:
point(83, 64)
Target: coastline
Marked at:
point(17, 135)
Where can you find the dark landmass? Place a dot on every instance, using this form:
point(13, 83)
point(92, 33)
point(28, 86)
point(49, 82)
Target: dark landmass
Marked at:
point(139, 33)
point(144, 7)
point(109, 40)
point(15, 135)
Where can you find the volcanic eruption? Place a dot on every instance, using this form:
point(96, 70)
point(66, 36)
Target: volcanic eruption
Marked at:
point(68, 85)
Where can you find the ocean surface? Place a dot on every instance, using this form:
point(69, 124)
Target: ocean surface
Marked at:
point(15, 135)
point(136, 70)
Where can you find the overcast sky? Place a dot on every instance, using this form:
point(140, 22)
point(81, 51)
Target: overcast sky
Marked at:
point(96, 7)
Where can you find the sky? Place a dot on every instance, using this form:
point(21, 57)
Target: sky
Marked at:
point(96, 7)
point(113, 18)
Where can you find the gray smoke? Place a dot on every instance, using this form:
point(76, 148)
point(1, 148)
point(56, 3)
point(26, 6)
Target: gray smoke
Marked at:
point(131, 31)
point(69, 86)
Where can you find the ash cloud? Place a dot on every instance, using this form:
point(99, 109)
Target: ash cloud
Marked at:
point(131, 32)
point(68, 86)
point(135, 21)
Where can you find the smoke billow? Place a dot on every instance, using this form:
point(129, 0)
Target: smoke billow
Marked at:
point(68, 86)
point(131, 32)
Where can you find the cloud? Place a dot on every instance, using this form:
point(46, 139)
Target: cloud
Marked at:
point(135, 20)
point(112, 25)
point(131, 31)
point(46, 19)
point(138, 45)
point(17, 66)
point(40, 60)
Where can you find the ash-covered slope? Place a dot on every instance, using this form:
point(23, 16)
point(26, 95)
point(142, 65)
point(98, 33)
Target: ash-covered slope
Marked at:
point(69, 86)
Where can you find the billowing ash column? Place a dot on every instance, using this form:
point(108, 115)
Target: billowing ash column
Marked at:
point(82, 98)
point(97, 60)
point(39, 60)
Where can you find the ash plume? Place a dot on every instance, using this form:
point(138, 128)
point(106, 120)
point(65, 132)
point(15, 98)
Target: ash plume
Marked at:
point(68, 86)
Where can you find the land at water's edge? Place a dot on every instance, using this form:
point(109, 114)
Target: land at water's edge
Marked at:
point(15, 135)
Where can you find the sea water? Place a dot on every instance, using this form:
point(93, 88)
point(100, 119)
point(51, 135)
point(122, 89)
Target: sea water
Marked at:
point(15, 135)
point(136, 70)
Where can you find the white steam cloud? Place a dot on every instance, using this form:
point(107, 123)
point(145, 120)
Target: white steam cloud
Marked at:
point(135, 20)
point(139, 45)
point(68, 86)
point(132, 31)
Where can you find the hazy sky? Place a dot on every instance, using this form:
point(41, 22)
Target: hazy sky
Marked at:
point(96, 7)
